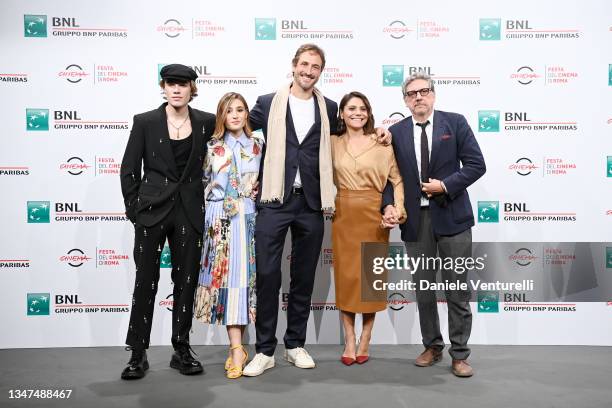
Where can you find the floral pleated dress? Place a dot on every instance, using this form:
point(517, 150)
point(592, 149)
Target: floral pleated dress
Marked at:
point(226, 284)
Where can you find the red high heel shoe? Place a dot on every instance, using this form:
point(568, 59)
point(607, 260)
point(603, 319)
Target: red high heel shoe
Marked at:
point(362, 359)
point(347, 361)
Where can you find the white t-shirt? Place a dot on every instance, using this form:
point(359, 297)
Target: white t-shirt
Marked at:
point(303, 115)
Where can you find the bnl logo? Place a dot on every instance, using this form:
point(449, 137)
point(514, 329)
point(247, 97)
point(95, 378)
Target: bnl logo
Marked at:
point(34, 25)
point(488, 121)
point(38, 212)
point(165, 261)
point(609, 167)
point(488, 302)
point(608, 257)
point(609, 74)
point(488, 211)
point(37, 119)
point(393, 75)
point(265, 29)
point(490, 29)
point(38, 304)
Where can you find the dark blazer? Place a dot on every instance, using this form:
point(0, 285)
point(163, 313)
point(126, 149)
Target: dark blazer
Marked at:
point(455, 159)
point(305, 155)
point(149, 197)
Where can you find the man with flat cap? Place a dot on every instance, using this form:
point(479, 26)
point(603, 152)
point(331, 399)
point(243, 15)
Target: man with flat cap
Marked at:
point(161, 181)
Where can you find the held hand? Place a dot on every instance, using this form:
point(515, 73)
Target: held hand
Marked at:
point(432, 188)
point(383, 136)
point(390, 217)
point(254, 190)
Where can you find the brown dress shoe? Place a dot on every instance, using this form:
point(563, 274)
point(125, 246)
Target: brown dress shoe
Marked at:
point(429, 357)
point(461, 368)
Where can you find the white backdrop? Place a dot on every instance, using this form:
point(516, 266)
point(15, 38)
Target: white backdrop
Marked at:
point(73, 74)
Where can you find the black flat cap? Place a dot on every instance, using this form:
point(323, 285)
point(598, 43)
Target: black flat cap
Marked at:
point(178, 72)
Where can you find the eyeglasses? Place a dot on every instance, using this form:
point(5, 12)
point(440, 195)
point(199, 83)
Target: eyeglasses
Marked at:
point(422, 92)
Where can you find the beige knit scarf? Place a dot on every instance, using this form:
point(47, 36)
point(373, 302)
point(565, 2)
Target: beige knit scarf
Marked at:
point(273, 188)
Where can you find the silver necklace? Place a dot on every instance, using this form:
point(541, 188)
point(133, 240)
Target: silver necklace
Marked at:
point(178, 128)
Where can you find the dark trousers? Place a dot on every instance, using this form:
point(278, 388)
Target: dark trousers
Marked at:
point(306, 227)
point(429, 244)
point(185, 251)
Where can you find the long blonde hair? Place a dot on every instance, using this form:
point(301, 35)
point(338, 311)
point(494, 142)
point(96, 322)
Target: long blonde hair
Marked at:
point(222, 108)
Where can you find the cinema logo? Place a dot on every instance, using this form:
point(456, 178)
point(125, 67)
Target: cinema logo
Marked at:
point(14, 171)
point(109, 257)
point(266, 28)
point(489, 212)
point(14, 263)
point(523, 166)
point(522, 257)
point(36, 25)
point(397, 30)
point(75, 258)
point(73, 73)
point(392, 119)
point(75, 166)
point(489, 121)
point(336, 76)
point(551, 166)
point(171, 28)
point(14, 78)
point(38, 120)
point(525, 75)
point(167, 303)
point(396, 301)
point(103, 166)
point(490, 29)
point(200, 28)
point(314, 306)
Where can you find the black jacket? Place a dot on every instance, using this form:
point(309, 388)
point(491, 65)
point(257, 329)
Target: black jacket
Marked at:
point(150, 196)
point(304, 155)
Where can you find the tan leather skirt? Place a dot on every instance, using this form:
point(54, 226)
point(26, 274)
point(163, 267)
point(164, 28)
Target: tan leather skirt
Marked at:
point(356, 221)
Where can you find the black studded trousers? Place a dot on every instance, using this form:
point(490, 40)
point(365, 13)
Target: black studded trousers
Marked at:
point(185, 251)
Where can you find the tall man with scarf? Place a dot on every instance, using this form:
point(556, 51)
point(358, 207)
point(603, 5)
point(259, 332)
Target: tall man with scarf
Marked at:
point(296, 187)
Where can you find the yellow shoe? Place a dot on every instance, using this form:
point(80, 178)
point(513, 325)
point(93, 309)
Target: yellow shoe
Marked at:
point(236, 371)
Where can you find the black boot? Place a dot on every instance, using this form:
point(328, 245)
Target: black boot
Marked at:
point(183, 361)
point(137, 365)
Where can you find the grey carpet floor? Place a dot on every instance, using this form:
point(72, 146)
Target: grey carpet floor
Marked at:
point(505, 376)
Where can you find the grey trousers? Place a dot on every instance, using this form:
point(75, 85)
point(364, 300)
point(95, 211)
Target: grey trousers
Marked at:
point(429, 244)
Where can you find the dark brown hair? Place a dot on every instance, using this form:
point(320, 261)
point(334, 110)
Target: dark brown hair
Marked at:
point(309, 48)
point(368, 128)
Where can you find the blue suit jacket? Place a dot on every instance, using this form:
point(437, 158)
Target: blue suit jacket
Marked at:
point(304, 155)
point(455, 159)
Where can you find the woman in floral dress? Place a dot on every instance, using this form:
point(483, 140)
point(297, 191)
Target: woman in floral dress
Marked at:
point(226, 285)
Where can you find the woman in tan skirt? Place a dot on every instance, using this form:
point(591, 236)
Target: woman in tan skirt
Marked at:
point(362, 168)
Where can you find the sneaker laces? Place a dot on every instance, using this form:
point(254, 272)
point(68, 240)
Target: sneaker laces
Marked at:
point(258, 359)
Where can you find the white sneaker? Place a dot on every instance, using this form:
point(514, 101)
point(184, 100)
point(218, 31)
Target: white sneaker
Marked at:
point(258, 365)
point(299, 357)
